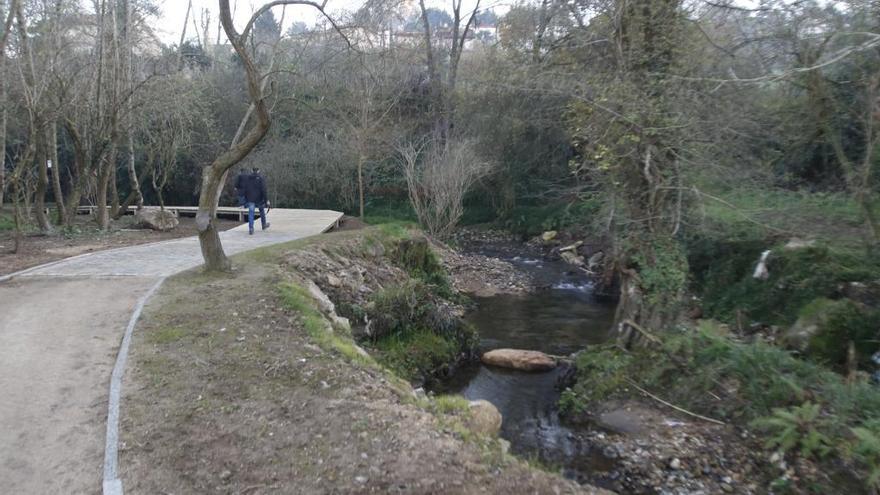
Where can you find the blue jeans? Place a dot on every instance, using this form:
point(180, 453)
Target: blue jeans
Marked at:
point(251, 207)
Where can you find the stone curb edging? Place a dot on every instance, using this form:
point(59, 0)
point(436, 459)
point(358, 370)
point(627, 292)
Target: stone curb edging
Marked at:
point(112, 484)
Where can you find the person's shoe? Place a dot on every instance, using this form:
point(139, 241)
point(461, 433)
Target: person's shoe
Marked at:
point(251, 231)
point(266, 226)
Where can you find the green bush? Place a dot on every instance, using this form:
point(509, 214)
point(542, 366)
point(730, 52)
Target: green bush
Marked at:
point(840, 323)
point(415, 331)
point(805, 406)
point(600, 373)
point(798, 427)
point(722, 276)
point(529, 221)
point(867, 450)
point(416, 353)
point(418, 259)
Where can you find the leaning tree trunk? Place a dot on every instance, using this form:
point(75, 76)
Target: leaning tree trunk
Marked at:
point(209, 235)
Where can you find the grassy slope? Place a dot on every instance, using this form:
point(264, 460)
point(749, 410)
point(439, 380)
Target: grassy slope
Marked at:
point(238, 384)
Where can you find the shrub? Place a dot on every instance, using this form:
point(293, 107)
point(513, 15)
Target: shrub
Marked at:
point(867, 450)
point(797, 427)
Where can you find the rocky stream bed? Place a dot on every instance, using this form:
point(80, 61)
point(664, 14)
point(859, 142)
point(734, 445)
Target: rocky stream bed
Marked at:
point(527, 296)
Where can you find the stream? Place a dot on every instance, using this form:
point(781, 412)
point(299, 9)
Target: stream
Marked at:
point(559, 319)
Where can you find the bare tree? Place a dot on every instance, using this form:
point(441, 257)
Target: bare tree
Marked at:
point(213, 174)
point(7, 27)
point(438, 177)
point(443, 88)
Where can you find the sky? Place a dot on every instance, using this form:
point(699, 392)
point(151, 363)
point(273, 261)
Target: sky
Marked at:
point(170, 22)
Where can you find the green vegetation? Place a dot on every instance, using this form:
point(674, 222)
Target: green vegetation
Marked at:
point(319, 329)
point(529, 221)
point(415, 255)
point(6, 221)
point(798, 427)
point(380, 212)
point(166, 335)
point(415, 334)
point(867, 450)
point(801, 405)
point(839, 323)
point(723, 270)
point(415, 353)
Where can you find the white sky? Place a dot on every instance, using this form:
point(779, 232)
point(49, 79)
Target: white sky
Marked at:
point(170, 22)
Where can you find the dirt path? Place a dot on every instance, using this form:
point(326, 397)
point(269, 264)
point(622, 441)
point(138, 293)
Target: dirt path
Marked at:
point(60, 329)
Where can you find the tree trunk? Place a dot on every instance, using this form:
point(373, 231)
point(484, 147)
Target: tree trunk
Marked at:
point(42, 186)
point(104, 174)
point(209, 236)
point(133, 182)
point(360, 166)
point(52, 144)
point(3, 117)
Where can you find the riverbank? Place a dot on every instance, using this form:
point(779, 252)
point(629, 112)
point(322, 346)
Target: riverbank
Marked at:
point(235, 387)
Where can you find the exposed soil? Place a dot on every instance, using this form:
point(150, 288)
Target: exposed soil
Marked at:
point(658, 450)
point(349, 223)
point(83, 238)
point(227, 393)
point(58, 344)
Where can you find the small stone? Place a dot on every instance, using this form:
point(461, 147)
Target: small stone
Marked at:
point(505, 446)
point(226, 475)
point(675, 464)
point(360, 479)
point(727, 487)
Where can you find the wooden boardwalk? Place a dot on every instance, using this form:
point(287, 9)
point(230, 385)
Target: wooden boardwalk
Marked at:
point(190, 211)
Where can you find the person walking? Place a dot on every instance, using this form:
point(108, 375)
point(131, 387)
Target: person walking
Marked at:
point(240, 180)
point(253, 187)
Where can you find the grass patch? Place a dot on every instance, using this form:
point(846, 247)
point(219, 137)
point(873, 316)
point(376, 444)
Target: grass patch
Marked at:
point(415, 353)
point(451, 404)
point(6, 222)
point(318, 328)
point(798, 404)
point(166, 335)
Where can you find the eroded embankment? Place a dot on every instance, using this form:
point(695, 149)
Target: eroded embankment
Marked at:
point(241, 384)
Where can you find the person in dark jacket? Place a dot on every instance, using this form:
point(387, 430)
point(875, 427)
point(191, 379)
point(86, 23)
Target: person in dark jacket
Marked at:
point(239, 187)
point(253, 188)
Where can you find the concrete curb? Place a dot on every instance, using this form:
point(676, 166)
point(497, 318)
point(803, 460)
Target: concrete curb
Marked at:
point(112, 484)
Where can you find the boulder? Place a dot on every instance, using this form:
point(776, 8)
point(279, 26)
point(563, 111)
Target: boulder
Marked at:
point(572, 247)
point(549, 236)
point(572, 258)
point(519, 360)
point(484, 418)
point(811, 321)
point(595, 261)
point(156, 219)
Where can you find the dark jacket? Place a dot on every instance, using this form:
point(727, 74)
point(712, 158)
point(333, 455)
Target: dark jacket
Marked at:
point(252, 187)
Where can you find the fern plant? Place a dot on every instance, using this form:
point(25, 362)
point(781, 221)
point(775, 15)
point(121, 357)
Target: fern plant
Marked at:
point(867, 450)
point(796, 428)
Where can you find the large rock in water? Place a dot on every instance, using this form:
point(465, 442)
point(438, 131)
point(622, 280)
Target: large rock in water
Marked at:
point(156, 219)
point(519, 360)
point(485, 418)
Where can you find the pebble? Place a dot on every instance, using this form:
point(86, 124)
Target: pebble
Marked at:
point(360, 479)
point(675, 464)
point(727, 487)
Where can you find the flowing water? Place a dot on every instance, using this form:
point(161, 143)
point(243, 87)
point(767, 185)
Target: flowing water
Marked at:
point(559, 319)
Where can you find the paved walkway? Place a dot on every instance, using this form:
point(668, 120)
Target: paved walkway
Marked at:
point(60, 329)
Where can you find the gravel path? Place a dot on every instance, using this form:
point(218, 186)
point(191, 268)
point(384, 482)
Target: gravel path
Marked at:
point(60, 329)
